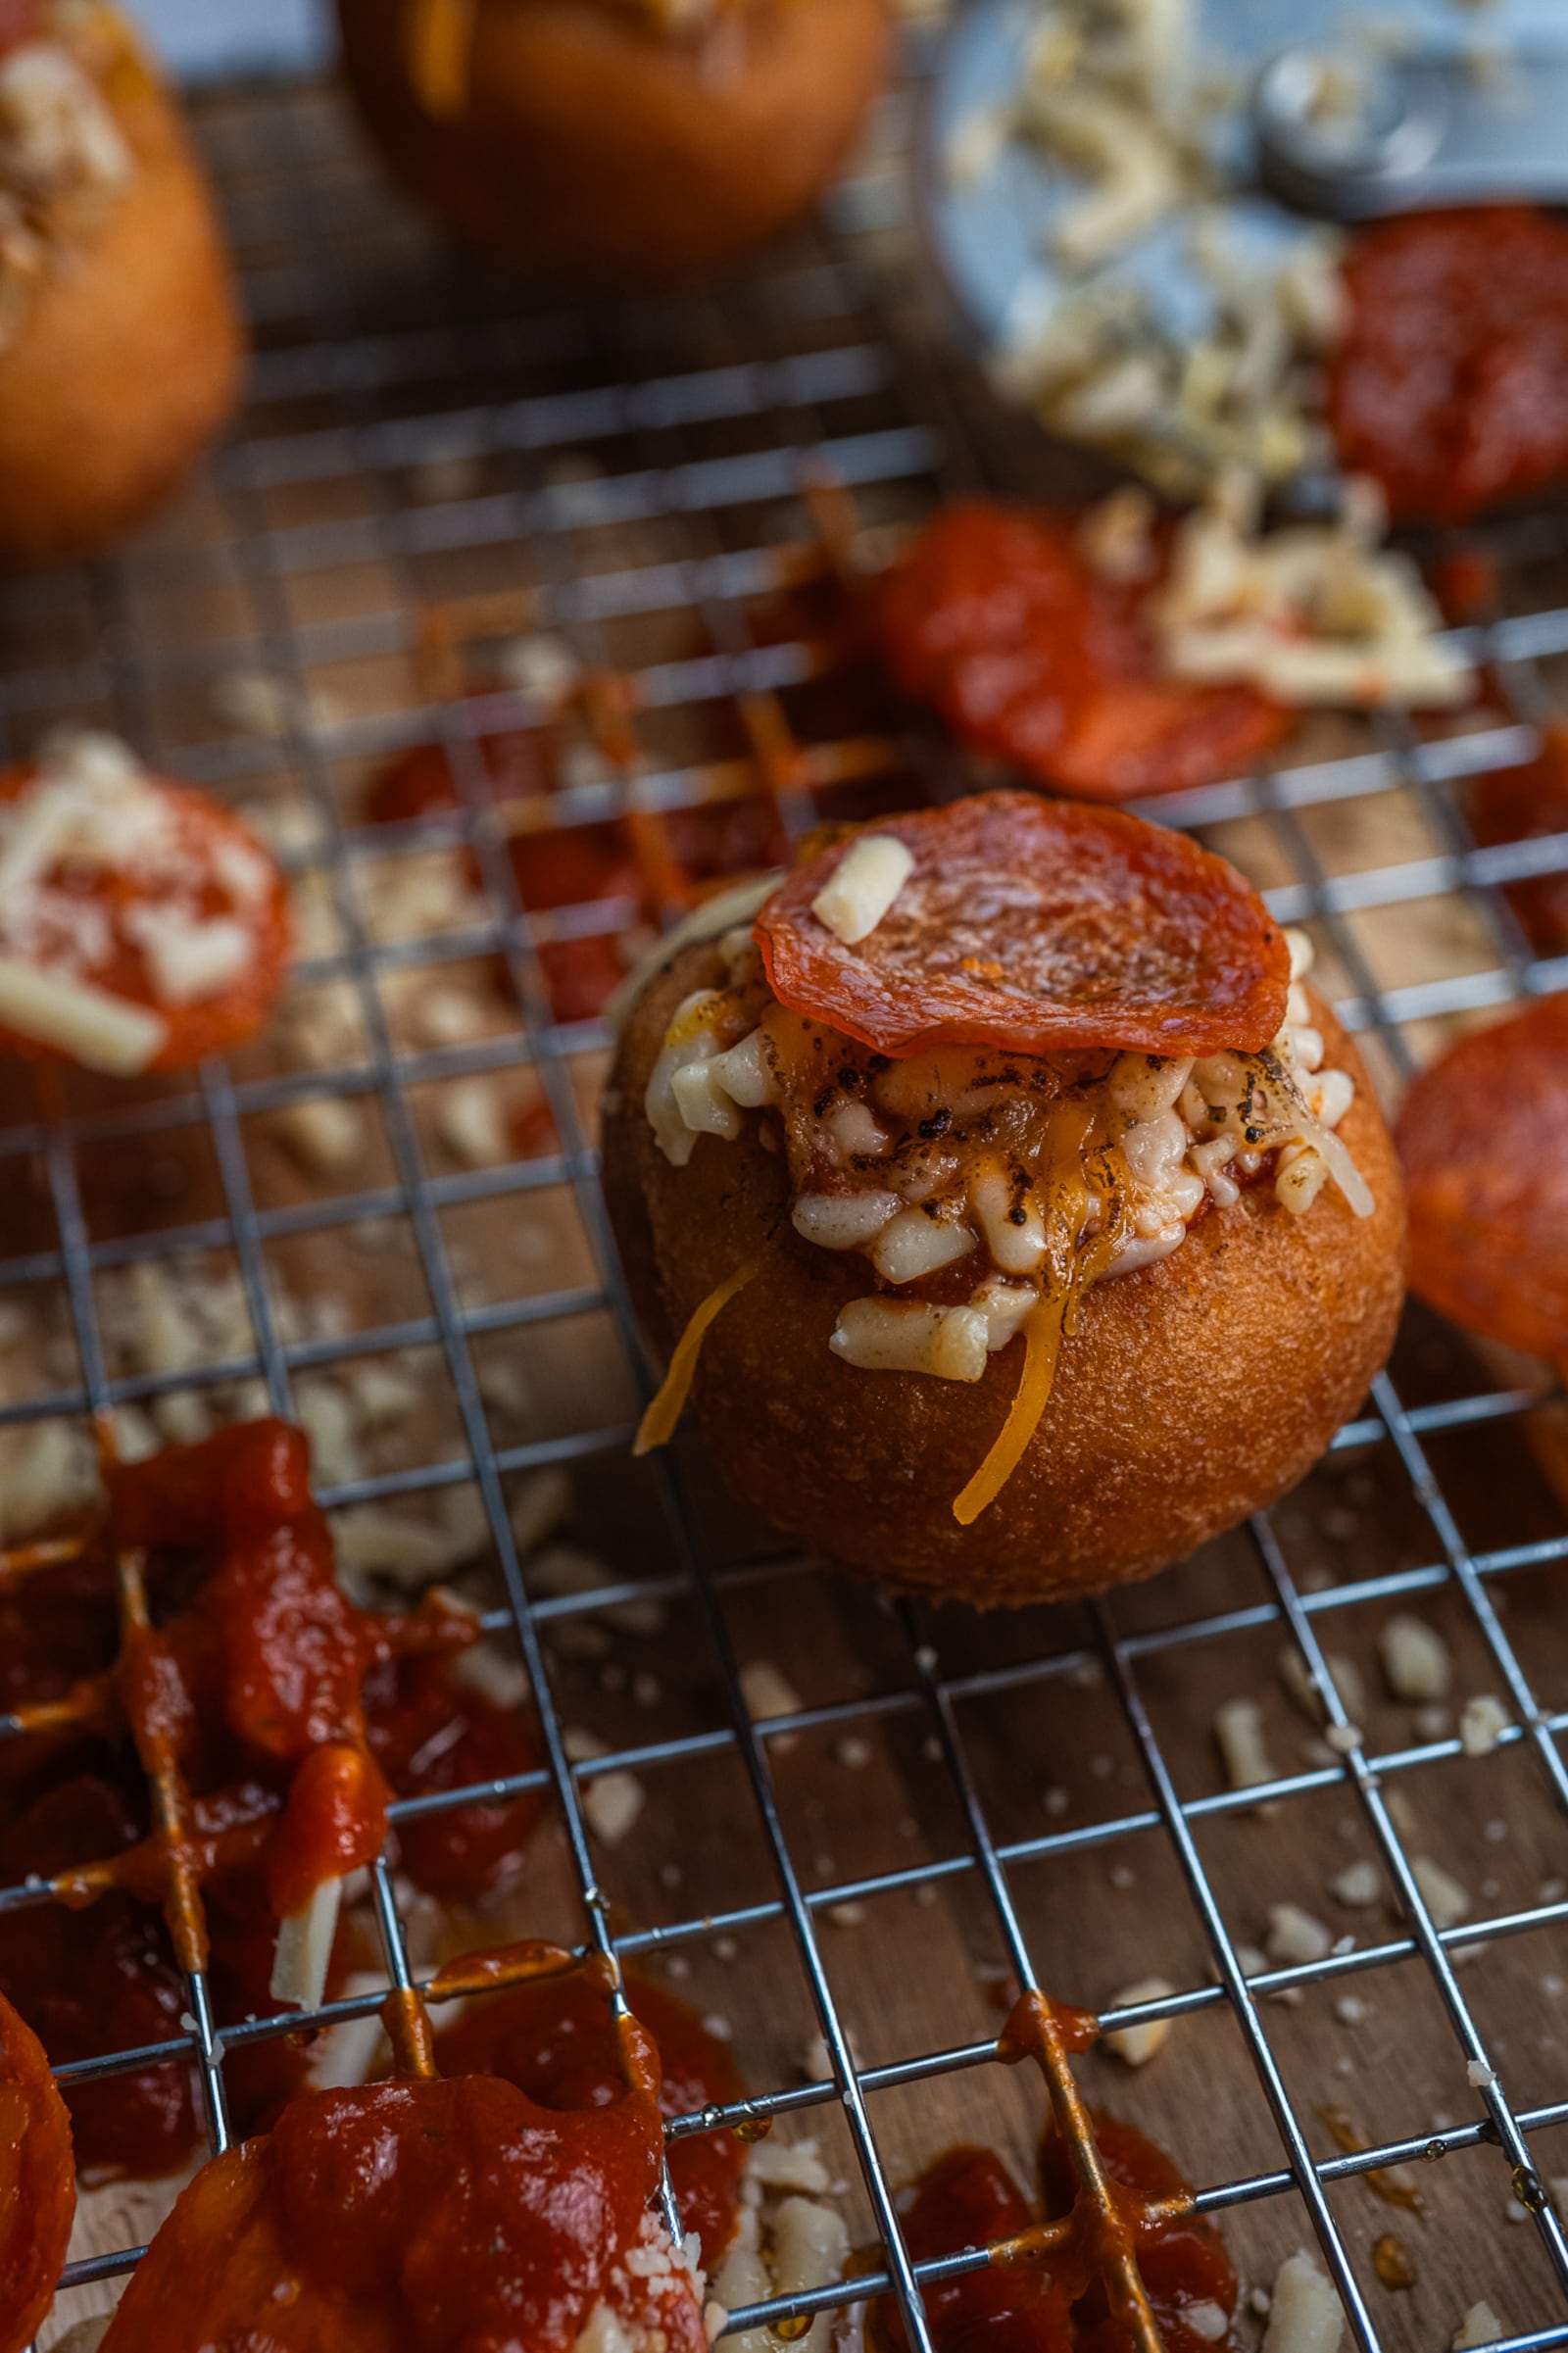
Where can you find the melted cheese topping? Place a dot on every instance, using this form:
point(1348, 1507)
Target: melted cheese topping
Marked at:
point(62, 157)
point(988, 1193)
point(90, 811)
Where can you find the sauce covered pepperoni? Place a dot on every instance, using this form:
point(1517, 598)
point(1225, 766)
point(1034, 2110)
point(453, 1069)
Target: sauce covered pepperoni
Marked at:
point(1524, 804)
point(144, 891)
point(554, 2041)
point(291, 1717)
point(37, 2186)
point(419, 2218)
point(1039, 928)
point(1451, 383)
point(997, 618)
point(1483, 1138)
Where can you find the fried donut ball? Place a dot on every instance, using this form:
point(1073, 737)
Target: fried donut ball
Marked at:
point(593, 140)
point(1194, 1392)
point(126, 361)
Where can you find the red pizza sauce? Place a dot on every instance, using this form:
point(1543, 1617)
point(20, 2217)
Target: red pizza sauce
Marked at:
point(554, 2041)
point(420, 2217)
point(37, 2186)
point(1451, 383)
point(581, 865)
point(1522, 804)
point(968, 2198)
point(996, 617)
point(290, 1717)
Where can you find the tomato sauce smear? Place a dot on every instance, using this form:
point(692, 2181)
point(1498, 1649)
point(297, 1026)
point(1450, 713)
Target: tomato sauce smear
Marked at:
point(149, 892)
point(968, 2198)
point(37, 2185)
point(1040, 927)
point(555, 2041)
point(1483, 1138)
point(997, 618)
point(1450, 385)
point(291, 1716)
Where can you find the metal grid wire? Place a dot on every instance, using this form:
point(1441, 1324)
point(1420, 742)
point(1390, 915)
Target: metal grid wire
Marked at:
point(714, 423)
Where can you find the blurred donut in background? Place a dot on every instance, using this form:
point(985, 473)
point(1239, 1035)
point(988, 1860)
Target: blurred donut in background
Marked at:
point(120, 345)
point(625, 143)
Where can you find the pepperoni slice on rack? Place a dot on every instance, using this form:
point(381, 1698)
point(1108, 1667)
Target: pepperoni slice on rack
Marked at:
point(1038, 926)
point(1450, 382)
point(997, 618)
point(1524, 804)
point(1483, 1138)
point(37, 2183)
point(142, 927)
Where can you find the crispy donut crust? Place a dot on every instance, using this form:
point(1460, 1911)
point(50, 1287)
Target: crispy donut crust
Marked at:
point(595, 146)
point(127, 361)
point(1194, 1392)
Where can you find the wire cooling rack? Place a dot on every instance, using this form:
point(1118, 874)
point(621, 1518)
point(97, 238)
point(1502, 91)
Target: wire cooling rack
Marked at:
point(948, 1805)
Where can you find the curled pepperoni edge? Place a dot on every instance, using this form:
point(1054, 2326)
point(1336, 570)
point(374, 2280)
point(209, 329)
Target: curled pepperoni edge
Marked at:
point(35, 2225)
point(814, 973)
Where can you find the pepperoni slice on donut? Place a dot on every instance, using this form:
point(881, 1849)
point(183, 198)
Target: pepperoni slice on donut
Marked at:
point(1484, 1136)
point(996, 617)
point(37, 2183)
point(1039, 926)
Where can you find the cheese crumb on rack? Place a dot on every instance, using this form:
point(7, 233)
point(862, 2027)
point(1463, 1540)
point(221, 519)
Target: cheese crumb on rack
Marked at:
point(1294, 1935)
point(1136, 2045)
point(1239, 1733)
point(1305, 2314)
point(1356, 1886)
point(1445, 1897)
point(1480, 2326)
point(1481, 1723)
point(610, 1802)
point(1415, 1659)
point(1344, 1673)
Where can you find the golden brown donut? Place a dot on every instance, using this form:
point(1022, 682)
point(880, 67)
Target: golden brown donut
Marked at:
point(125, 361)
point(590, 139)
point(1194, 1392)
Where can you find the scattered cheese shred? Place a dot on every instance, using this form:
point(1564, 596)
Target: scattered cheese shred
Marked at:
point(863, 886)
point(96, 1028)
point(657, 1424)
point(440, 50)
point(1041, 1333)
point(303, 1949)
